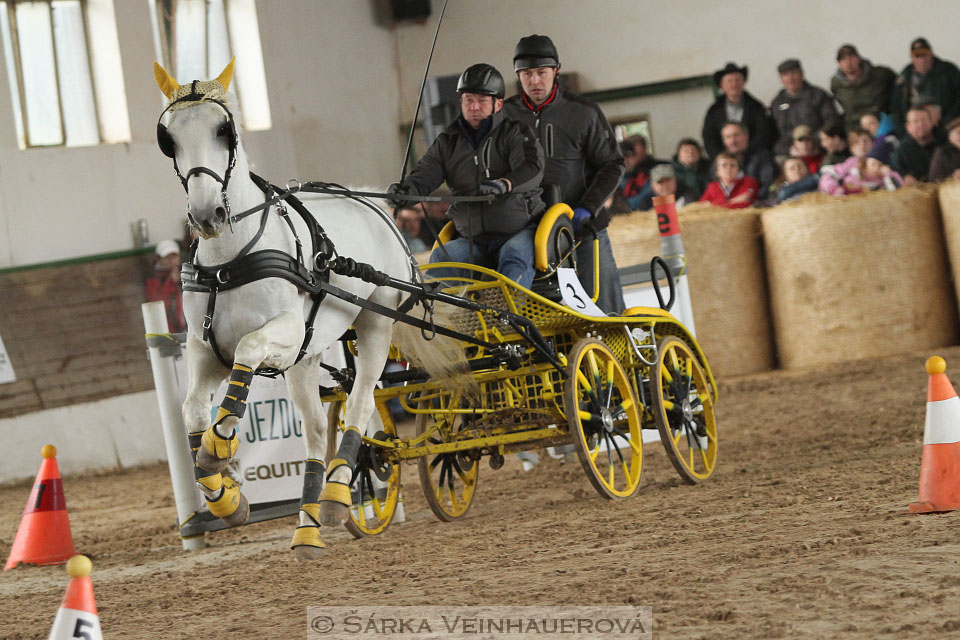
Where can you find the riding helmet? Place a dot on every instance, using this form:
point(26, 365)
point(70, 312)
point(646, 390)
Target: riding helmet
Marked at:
point(481, 78)
point(535, 51)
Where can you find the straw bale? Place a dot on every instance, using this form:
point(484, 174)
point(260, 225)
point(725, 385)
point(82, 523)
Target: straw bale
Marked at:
point(726, 276)
point(949, 195)
point(858, 276)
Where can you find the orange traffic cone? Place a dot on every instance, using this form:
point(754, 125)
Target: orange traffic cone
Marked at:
point(940, 466)
point(44, 535)
point(77, 616)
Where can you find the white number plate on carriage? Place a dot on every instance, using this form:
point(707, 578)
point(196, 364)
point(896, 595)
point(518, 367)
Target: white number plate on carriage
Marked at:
point(573, 294)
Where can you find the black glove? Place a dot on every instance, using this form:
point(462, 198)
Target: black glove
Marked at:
point(398, 189)
point(494, 187)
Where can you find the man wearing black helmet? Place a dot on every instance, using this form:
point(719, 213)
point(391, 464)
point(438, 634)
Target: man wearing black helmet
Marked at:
point(482, 153)
point(582, 156)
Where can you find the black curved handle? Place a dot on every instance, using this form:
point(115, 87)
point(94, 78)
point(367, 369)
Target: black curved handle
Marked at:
point(657, 260)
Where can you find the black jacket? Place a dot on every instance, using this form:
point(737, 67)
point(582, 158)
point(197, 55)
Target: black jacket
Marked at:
point(508, 150)
point(582, 154)
point(812, 106)
point(754, 117)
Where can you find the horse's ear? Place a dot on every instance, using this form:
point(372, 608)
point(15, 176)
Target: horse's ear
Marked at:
point(164, 80)
point(226, 76)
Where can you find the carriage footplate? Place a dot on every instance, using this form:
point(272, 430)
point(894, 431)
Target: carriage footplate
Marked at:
point(307, 542)
point(220, 443)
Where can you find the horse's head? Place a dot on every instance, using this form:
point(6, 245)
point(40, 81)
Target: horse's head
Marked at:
point(201, 137)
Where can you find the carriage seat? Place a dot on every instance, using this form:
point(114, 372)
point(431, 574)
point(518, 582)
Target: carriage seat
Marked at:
point(553, 247)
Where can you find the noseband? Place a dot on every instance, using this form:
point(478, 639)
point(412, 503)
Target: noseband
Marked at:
point(166, 144)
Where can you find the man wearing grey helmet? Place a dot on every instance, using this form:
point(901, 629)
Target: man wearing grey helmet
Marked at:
point(582, 157)
point(483, 153)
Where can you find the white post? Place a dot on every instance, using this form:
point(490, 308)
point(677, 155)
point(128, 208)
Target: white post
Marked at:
point(685, 305)
point(174, 431)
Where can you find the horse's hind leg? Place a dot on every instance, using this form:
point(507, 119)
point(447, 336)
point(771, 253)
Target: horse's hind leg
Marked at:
point(303, 381)
point(205, 373)
point(281, 336)
point(373, 344)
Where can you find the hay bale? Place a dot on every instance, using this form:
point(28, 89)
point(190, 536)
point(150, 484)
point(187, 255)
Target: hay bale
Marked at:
point(858, 276)
point(949, 196)
point(726, 276)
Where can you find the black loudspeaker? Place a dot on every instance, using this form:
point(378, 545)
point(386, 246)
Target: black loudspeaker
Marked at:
point(410, 9)
point(441, 104)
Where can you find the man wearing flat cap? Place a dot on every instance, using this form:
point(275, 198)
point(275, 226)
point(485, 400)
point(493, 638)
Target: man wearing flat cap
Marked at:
point(735, 104)
point(860, 86)
point(798, 103)
point(926, 76)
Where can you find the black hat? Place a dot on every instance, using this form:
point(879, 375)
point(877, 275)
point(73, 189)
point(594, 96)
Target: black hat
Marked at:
point(481, 78)
point(920, 45)
point(788, 65)
point(535, 51)
point(847, 50)
point(730, 68)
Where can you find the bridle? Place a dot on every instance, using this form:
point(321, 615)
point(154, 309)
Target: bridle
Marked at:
point(166, 144)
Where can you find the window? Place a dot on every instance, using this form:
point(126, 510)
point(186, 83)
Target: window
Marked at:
point(195, 40)
point(63, 63)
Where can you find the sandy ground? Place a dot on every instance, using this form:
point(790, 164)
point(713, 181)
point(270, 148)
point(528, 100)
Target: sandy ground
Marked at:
point(801, 532)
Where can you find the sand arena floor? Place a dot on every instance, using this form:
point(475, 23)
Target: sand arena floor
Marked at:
point(801, 532)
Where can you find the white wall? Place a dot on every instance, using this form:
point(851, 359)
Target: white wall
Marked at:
point(335, 77)
point(616, 43)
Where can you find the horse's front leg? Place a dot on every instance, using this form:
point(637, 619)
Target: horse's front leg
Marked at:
point(373, 344)
point(277, 341)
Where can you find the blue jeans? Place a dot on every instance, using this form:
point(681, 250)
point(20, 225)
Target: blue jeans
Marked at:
point(610, 299)
point(510, 255)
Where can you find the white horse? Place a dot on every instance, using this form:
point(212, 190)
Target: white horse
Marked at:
point(263, 323)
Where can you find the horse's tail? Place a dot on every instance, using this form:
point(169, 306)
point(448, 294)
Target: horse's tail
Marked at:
point(442, 357)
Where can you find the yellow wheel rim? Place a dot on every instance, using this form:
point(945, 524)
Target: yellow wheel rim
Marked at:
point(604, 420)
point(683, 408)
point(374, 500)
point(448, 480)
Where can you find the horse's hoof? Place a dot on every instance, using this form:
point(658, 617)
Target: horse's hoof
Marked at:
point(239, 516)
point(333, 514)
point(211, 463)
point(308, 553)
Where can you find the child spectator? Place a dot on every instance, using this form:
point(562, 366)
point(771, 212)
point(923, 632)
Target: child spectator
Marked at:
point(880, 126)
point(946, 159)
point(692, 170)
point(806, 148)
point(857, 174)
point(833, 140)
point(797, 180)
point(164, 284)
point(732, 189)
point(409, 220)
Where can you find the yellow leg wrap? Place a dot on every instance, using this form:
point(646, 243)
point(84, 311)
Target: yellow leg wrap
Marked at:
point(228, 503)
point(307, 536)
point(212, 482)
point(218, 447)
point(312, 510)
point(336, 462)
point(336, 492)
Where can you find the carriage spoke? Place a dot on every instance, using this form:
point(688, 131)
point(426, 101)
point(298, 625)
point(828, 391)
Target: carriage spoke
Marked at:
point(609, 384)
point(633, 445)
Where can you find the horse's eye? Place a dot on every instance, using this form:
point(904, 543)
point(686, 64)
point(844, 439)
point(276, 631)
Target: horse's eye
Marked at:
point(223, 130)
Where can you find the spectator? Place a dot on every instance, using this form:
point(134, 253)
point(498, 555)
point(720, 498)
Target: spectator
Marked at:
point(164, 284)
point(663, 181)
point(833, 140)
point(636, 178)
point(409, 221)
point(927, 76)
point(880, 126)
point(756, 162)
point(946, 159)
point(692, 170)
point(583, 159)
point(859, 86)
point(796, 180)
point(806, 148)
point(732, 189)
point(798, 103)
point(497, 234)
point(435, 216)
point(936, 117)
point(912, 158)
point(734, 104)
point(857, 174)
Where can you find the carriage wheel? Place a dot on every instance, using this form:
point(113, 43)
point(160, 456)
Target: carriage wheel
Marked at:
point(375, 485)
point(449, 480)
point(683, 408)
point(604, 420)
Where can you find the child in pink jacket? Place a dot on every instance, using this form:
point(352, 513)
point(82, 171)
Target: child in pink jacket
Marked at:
point(854, 175)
